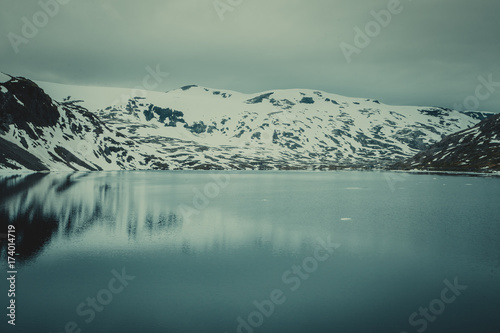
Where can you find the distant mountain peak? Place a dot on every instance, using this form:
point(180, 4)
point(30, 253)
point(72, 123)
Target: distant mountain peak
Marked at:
point(189, 87)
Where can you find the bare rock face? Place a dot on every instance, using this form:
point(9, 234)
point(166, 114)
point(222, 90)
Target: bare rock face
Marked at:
point(22, 103)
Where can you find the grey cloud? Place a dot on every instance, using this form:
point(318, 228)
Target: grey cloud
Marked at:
point(432, 53)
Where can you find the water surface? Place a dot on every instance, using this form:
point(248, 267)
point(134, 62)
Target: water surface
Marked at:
point(202, 247)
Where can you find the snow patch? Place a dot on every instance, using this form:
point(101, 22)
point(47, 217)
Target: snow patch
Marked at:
point(3, 89)
point(4, 78)
point(18, 100)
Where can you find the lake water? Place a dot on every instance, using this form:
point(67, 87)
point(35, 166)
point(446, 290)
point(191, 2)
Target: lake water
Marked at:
point(252, 252)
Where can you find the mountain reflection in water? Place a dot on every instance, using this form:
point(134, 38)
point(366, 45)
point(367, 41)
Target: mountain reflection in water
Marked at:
point(202, 262)
point(60, 206)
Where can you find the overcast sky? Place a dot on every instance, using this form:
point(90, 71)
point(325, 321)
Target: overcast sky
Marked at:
point(432, 52)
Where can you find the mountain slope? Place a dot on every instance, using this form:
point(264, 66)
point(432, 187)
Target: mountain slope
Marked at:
point(474, 149)
point(94, 128)
point(282, 129)
point(38, 134)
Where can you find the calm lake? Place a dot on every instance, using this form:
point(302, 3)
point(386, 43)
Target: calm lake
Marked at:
point(252, 252)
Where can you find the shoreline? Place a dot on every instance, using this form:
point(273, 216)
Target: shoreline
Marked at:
point(414, 171)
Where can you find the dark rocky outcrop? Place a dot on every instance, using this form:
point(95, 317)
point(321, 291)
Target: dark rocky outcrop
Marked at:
point(476, 149)
point(22, 102)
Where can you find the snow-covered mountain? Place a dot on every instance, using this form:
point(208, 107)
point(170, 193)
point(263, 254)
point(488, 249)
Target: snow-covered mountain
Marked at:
point(200, 128)
point(476, 149)
point(37, 133)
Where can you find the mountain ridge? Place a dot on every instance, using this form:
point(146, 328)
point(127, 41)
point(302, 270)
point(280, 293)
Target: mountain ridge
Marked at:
point(476, 149)
point(196, 127)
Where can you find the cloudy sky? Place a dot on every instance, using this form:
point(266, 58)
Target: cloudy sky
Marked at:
point(428, 52)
